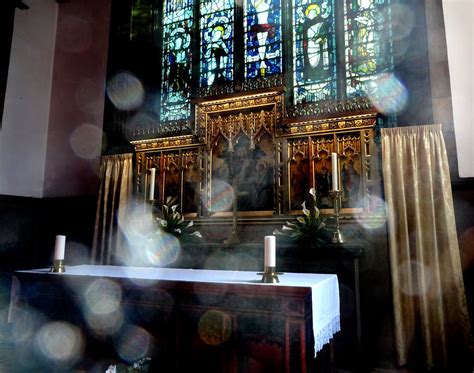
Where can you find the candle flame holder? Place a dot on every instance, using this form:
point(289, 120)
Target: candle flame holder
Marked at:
point(270, 275)
point(337, 236)
point(58, 266)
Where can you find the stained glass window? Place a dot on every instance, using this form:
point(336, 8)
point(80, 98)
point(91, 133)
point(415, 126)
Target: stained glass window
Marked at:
point(217, 54)
point(314, 50)
point(177, 57)
point(367, 44)
point(339, 47)
point(262, 25)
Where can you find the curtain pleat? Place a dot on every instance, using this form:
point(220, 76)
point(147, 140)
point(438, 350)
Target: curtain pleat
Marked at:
point(115, 189)
point(430, 313)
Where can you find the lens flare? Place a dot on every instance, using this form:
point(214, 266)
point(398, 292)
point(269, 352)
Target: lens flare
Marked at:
point(60, 342)
point(215, 327)
point(161, 249)
point(103, 297)
point(377, 217)
point(86, 141)
point(388, 94)
point(222, 195)
point(133, 343)
point(126, 91)
point(104, 324)
point(138, 226)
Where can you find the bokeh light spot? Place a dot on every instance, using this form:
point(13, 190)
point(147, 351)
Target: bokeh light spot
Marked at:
point(86, 141)
point(60, 342)
point(126, 91)
point(133, 343)
point(389, 95)
point(161, 249)
point(222, 195)
point(103, 297)
point(215, 327)
point(105, 324)
point(377, 216)
point(138, 226)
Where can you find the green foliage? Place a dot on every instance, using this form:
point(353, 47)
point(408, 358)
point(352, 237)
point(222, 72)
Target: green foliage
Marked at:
point(309, 229)
point(172, 221)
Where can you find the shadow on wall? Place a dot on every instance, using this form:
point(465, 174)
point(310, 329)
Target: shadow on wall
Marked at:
point(28, 227)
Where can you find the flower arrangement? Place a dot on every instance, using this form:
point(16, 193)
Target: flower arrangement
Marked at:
point(309, 229)
point(172, 221)
point(139, 366)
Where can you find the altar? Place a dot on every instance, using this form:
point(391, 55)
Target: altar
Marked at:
point(212, 319)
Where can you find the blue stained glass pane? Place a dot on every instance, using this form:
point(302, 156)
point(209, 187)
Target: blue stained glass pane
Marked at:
point(262, 25)
point(314, 50)
point(368, 44)
point(176, 60)
point(217, 41)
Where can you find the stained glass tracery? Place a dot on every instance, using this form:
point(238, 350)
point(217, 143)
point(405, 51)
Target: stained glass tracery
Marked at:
point(217, 42)
point(262, 25)
point(314, 50)
point(177, 57)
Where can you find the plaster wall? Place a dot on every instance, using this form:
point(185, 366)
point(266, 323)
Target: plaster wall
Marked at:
point(23, 136)
point(459, 20)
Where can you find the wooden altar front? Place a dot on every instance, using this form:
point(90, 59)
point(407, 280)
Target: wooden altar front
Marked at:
point(213, 321)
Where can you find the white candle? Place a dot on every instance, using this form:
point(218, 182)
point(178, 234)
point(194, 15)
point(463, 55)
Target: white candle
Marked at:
point(151, 195)
point(270, 251)
point(59, 247)
point(335, 175)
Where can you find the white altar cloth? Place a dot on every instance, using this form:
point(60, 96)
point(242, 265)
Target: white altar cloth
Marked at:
point(324, 287)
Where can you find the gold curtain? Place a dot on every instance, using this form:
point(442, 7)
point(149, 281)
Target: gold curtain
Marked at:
point(430, 311)
point(115, 189)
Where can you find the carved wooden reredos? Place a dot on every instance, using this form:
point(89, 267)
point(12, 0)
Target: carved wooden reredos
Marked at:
point(245, 147)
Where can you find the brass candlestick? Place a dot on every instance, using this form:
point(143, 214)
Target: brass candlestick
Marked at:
point(58, 266)
point(270, 275)
point(337, 236)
